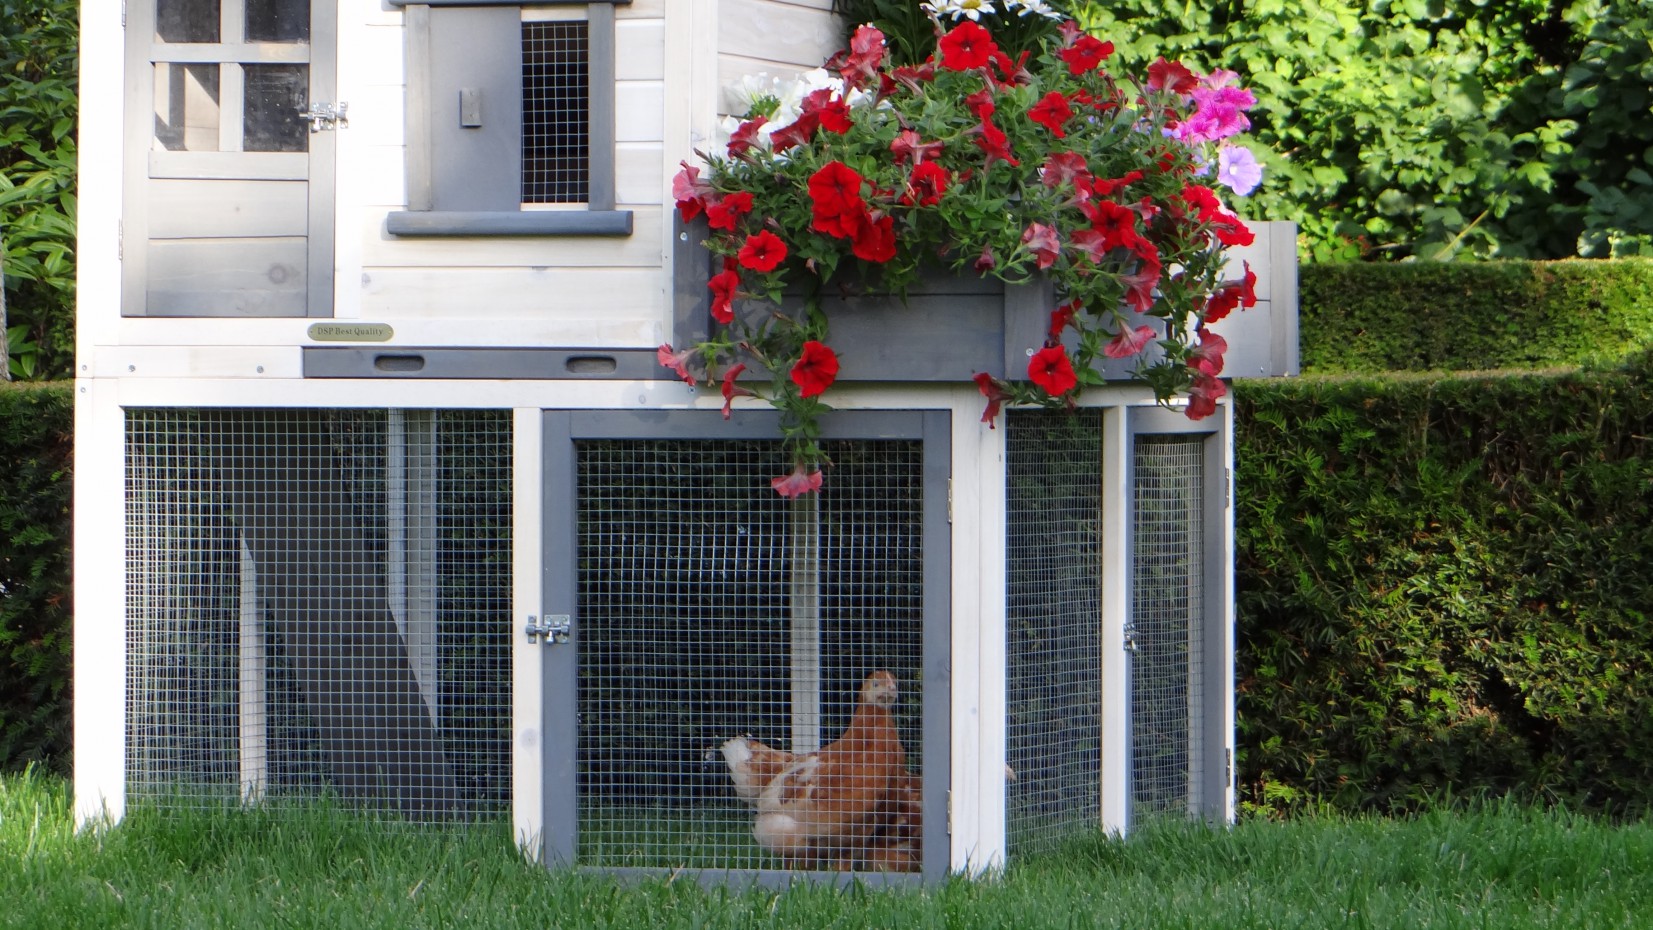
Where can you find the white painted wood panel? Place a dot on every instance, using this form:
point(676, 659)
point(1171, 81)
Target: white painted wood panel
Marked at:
point(641, 249)
point(637, 174)
point(640, 50)
point(776, 31)
point(380, 176)
point(100, 611)
point(204, 209)
point(637, 294)
point(480, 328)
point(378, 116)
point(527, 659)
point(639, 110)
point(644, 9)
point(377, 53)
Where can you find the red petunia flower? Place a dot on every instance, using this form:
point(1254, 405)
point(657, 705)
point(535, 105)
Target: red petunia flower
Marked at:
point(994, 392)
point(875, 240)
point(835, 186)
point(1173, 76)
point(1061, 318)
point(845, 224)
point(724, 285)
point(866, 54)
point(967, 46)
point(985, 262)
point(909, 146)
point(801, 481)
point(992, 140)
point(731, 390)
point(726, 211)
point(981, 104)
point(1051, 370)
point(1110, 186)
point(815, 369)
point(1141, 284)
point(1128, 342)
point(690, 192)
point(745, 137)
point(1066, 168)
point(1203, 395)
point(926, 185)
point(762, 252)
point(1116, 224)
point(1085, 54)
point(1207, 357)
point(676, 361)
point(1043, 242)
point(1052, 112)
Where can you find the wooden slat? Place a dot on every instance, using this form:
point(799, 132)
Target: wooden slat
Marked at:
point(599, 293)
point(227, 277)
point(639, 107)
point(211, 209)
point(639, 250)
point(638, 179)
point(640, 50)
point(253, 166)
point(272, 53)
point(776, 32)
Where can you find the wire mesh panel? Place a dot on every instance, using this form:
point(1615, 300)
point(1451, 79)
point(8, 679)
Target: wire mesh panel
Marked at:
point(318, 603)
point(1167, 616)
point(1054, 470)
point(725, 633)
point(556, 123)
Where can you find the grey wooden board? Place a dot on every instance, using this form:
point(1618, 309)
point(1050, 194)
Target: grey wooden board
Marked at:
point(482, 364)
point(253, 166)
point(227, 277)
point(522, 223)
point(227, 209)
point(479, 48)
point(323, 589)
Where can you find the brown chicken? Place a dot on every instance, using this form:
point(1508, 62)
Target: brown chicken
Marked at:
point(825, 808)
point(898, 843)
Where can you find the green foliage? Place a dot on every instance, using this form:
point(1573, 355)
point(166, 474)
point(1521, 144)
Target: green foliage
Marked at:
point(1374, 317)
point(1509, 128)
point(1442, 583)
point(911, 33)
point(35, 443)
point(38, 106)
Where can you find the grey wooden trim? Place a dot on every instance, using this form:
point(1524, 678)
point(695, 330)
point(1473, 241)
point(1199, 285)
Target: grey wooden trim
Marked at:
point(1216, 665)
point(772, 879)
point(691, 269)
point(600, 105)
point(591, 3)
point(323, 175)
point(416, 20)
point(1282, 259)
point(560, 688)
point(139, 104)
point(937, 722)
point(561, 429)
point(413, 362)
point(521, 223)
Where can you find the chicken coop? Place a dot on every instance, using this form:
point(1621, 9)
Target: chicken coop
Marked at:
point(383, 498)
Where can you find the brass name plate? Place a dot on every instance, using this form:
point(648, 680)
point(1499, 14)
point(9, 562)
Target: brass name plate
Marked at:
point(351, 332)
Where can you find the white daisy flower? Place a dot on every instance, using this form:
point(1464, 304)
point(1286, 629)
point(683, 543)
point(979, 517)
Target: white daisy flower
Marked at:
point(958, 9)
point(1032, 8)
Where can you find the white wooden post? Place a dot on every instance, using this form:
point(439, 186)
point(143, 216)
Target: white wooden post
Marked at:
point(804, 588)
point(1116, 612)
point(527, 670)
point(254, 708)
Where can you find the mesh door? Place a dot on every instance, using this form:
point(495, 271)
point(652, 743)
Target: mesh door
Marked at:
point(1054, 525)
point(318, 602)
point(1167, 614)
point(711, 609)
point(556, 112)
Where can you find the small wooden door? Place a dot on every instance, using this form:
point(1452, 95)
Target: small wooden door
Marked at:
point(229, 193)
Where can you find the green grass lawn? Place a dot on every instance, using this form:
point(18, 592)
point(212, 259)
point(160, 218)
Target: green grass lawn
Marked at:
point(1496, 866)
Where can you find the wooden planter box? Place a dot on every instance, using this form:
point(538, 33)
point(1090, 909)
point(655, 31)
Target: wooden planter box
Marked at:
point(952, 327)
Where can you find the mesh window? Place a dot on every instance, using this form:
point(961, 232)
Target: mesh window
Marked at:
point(1054, 519)
point(1167, 610)
point(556, 132)
point(711, 609)
point(318, 603)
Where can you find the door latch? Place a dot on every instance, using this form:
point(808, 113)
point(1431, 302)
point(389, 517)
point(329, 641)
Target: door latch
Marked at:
point(555, 629)
point(325, 115)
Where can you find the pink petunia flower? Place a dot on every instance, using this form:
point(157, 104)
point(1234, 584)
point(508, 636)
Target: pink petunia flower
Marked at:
point(1128, 342)
point(676, 361)
point(802, 480)
point(1043, 242)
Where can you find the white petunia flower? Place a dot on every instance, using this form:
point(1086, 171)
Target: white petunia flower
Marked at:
point(1032, 8)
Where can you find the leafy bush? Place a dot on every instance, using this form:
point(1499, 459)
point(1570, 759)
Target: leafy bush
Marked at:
point(1508, 128)
point(38, 105)
point(1444, 583)
point(36, 422)
point(1431, 315)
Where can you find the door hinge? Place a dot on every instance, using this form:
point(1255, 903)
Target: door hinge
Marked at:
point(949, 501)
point(324, 116)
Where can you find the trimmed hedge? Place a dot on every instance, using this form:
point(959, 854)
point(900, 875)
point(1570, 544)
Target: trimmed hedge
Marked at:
point(1420, 316)
point(36, 443)
point(1446, 583)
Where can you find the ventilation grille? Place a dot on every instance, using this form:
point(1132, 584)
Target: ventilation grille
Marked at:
point(318, 604)
point(556, 111)
point(710, 608)
point(1054, 526)
point(1167, 612)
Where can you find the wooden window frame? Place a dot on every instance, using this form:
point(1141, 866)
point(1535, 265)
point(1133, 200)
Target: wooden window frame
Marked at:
point(599, 217)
